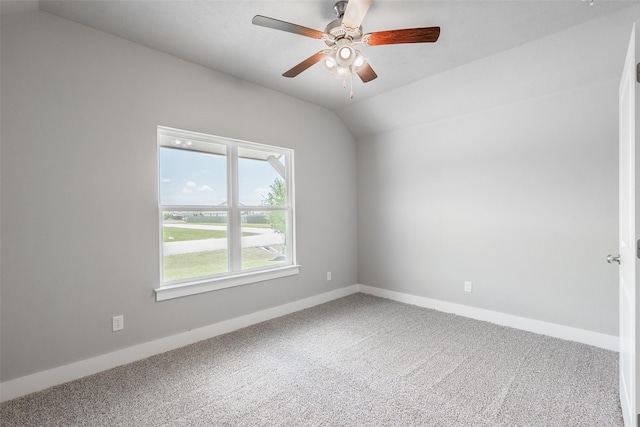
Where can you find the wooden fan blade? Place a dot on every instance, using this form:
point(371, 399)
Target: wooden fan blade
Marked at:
point(354, 13)
point(409, 35)
point(276, 24)
point(366, 73)
point(313, 59)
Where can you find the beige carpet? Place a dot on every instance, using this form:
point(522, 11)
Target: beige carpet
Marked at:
point(356, 361)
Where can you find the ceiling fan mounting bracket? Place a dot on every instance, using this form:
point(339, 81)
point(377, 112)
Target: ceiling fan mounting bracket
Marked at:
point(339, 8)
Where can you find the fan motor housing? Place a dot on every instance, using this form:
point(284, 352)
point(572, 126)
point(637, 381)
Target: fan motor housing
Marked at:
point(336, 29)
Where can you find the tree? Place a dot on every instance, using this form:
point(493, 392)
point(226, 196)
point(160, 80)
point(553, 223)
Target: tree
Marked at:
point(276, 197)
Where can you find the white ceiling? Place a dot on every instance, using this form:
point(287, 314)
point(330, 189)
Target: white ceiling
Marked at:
point(219, 35)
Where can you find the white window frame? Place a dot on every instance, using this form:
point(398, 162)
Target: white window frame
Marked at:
point(235, 276)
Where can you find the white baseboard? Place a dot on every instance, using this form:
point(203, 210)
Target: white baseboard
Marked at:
point(596, 339)
point(55, 376)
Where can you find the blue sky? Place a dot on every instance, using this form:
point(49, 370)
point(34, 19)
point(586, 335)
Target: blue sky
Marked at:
point(196, 178)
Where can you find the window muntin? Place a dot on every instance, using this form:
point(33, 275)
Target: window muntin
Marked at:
point(226, 208)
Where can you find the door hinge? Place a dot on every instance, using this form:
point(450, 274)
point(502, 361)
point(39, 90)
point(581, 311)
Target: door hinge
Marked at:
point(638, 72)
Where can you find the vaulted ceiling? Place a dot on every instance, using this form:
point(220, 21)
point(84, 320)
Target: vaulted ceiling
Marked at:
point(220, 35)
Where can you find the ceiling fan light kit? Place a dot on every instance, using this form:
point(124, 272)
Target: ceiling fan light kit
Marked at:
point(342, 59)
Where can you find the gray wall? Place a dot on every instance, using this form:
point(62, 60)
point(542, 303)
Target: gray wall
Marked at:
point(520, 200)
point(79, 190)
point(511, 185)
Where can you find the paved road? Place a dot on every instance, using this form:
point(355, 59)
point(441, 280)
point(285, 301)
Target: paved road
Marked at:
point(262, 237)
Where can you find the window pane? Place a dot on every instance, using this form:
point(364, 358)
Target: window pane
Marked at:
point(263, 239)
point(192, 178)
point(261, 178)
point(194, 244)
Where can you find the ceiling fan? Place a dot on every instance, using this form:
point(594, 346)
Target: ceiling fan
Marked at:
point(342, 34)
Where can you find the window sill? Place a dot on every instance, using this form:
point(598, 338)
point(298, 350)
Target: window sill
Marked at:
point(185, 289)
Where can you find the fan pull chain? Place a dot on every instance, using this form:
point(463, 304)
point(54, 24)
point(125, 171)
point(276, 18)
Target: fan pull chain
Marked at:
point(351, 94)
point(344, 82)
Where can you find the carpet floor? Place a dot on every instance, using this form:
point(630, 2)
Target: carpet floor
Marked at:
point(356, 361)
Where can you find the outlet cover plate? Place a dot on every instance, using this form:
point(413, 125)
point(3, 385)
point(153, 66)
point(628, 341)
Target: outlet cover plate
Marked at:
point(118, 323)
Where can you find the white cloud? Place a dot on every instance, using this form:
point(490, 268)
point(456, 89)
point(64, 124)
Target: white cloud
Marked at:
point(186, 191)
point(205, 188)
point(191, 184)
point(165, 180)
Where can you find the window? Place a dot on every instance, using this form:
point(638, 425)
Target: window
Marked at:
point(226, 212)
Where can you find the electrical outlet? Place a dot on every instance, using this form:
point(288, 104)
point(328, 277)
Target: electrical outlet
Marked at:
point(117, 323)
point(328, 276)
point(467, 286)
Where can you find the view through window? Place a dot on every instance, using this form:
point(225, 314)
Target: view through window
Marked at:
point(226, 207)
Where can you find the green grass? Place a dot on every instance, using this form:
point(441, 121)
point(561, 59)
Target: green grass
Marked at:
point(207, 263)
point(177, 234)
point(197, 264)
point(256, 257)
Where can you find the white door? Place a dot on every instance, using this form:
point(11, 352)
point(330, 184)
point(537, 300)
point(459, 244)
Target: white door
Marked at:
point(627, 258)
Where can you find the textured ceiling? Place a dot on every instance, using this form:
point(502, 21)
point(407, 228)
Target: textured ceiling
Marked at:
point(219, 35)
